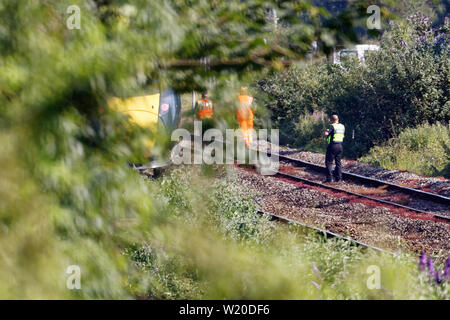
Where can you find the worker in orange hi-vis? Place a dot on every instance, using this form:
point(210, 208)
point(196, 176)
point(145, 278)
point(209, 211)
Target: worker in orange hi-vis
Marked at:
point(205, 108)
point(244, 115)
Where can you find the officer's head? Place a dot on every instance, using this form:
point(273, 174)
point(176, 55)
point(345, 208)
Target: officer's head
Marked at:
point(205, 95)
point(334, 118)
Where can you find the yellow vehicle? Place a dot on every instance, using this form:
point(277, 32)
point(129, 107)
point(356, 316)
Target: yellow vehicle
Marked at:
point(159, 112)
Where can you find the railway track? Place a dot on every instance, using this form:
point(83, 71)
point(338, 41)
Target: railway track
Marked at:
point(358, 180)
point(351, 176)
point(417, 193)
point(362, 196)
point(370, 181)
point(326, 233)
point(363, 180)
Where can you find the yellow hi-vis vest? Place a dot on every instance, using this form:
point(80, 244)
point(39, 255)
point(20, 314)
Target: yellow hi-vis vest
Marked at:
point(338, 133)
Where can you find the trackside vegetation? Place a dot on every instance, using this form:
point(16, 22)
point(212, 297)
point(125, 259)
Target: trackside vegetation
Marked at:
point(68, 197)
point(403, 85)
point(424, 150)
point(219, 247)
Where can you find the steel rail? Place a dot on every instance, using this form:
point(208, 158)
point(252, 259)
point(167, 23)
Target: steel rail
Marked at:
point(353, 176)
point(419, 193)
point(318, 184)
point(328, 234)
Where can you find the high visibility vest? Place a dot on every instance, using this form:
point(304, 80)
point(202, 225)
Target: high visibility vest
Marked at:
point(338, 133)
point(245, 100)
point(205, 109)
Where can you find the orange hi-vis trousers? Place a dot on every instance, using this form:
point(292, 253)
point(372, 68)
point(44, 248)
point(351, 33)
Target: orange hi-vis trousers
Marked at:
point(245, 118)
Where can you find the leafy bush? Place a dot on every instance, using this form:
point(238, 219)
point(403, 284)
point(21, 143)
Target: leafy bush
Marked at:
point(424, 150)
point(67, 195)
point(402, 85)
point(291, 96)
point(309, 130)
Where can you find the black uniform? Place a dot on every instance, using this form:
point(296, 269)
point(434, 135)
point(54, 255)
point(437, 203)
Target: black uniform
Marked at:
point(334, 153)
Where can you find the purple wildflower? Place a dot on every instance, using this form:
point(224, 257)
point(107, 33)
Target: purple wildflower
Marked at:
point(422, 261)
point(438, 277)
point(315, 284)
point(257, 200)
point(403, 43)
point(430, 265)
point(447, 269)
point(315, 115)
point(316, 270)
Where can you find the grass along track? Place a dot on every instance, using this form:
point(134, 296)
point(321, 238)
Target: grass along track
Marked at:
point(326, 233)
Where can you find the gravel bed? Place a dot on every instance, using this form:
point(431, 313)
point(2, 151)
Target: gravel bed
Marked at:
point(377, 226)
point(437, 185)
point(379, 193)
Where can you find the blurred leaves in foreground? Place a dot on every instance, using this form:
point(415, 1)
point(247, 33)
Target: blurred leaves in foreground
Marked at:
point(67, 196)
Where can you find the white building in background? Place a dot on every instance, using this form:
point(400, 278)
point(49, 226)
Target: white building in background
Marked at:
point(358, 51)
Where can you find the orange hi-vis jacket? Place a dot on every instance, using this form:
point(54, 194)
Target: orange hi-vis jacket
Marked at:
point(245, 100)
point(244, 111)
point(205, 109)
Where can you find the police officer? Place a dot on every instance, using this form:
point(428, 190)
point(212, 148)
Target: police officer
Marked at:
point(335, 137)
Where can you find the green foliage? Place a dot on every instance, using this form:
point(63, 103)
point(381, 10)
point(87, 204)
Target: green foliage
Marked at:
point(293, 93)
point(424, 150)
point(221, 248)
point(236, 216)
point(402, 85)
point(432, 8)
point(67, 195)
point(309, 130)
point(291, 97)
